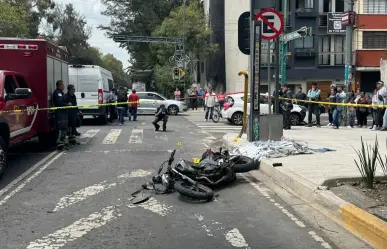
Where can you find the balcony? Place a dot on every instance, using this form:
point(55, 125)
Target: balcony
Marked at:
point(323, 20)
point(331, 59)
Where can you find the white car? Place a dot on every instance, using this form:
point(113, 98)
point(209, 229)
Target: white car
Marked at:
point(149, 101)
point(234, 113)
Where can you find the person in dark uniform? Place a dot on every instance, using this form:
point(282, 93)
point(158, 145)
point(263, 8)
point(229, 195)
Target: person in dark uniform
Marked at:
point(161, 114)
point(287, 106)
point(61, 115)
point(72, 114)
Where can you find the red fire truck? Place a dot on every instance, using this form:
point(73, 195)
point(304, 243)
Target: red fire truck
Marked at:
point(29, 69)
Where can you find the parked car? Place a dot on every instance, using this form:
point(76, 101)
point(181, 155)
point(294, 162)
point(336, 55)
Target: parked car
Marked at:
point(149, 101)
point(234, 111)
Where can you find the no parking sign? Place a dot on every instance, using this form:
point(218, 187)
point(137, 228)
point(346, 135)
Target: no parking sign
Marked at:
point(272, 23)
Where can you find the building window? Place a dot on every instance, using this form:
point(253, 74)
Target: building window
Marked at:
point(304, 4)
point(374, 6)
point(306, 42)
point(331, 50)
point(374, 40)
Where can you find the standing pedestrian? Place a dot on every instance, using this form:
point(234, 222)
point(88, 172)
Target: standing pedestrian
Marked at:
point(201, 96)
point(313, 95)
point(340, 98)
point(374, 108)
point(194, 98)
point(177, 94)
point(380, 100)
point(134, 103)
point(301, 96)
point(221, 99)
point(61, 115)
point(122, 105)
point(287, 106)
point(210, 101)
point(112, 99)
point(73, 113)
point(363, 111)
point(351, 112)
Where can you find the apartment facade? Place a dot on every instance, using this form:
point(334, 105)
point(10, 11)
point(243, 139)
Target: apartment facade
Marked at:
point(318, 58)
point(370, 42)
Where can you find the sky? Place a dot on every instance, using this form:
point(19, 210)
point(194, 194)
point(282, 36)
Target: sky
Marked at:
point(92, 10)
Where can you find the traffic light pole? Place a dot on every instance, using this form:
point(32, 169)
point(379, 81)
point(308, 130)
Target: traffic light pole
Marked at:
point(251, 72)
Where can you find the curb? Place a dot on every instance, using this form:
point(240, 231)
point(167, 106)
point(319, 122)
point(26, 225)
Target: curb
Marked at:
point(357, 221)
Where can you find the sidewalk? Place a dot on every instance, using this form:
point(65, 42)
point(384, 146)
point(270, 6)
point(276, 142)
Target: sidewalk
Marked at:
point(305, 174)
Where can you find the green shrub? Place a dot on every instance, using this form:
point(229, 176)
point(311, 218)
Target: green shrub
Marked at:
point(383, 163)
point(368, 161)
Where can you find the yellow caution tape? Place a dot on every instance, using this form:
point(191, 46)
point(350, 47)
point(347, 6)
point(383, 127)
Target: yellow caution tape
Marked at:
point(333, 103)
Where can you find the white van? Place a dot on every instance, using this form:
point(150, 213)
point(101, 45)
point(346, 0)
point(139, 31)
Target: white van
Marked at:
point(92, 86)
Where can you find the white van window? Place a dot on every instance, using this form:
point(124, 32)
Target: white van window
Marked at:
point(87, 83)
point(111, 85)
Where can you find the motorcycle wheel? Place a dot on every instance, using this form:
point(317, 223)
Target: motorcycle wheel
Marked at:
point(216, 116)
point(197, 191)
point(244, 164)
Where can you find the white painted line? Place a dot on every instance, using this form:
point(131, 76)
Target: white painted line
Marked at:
point(236, 239)
point(154, 206)
point(112, 137)
point(95, 189)
point(28, 172)
point(85, 137)
point(40, 170)
point(137, 136)
point(136, 173)
point(76, 230)
point(83, 194)
point(319, 239)
point(161, 136)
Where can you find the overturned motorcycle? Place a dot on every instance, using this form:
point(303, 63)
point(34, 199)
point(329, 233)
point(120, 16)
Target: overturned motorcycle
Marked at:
point(193, 179)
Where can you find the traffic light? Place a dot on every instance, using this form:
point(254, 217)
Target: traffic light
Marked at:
point(244, 33)
point(182, 73)
point(305, 31)
point(176, 73)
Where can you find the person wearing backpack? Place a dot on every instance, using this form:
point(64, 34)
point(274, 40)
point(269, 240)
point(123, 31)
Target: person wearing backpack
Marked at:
point(122, 101)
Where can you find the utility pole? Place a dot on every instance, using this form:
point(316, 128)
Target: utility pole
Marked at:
point(277, 68)
point(251, 71)
point(348, 57)
point(284, 45)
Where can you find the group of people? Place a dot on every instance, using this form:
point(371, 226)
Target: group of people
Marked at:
point(66, 116)
point(354, 113)
point(207, 99)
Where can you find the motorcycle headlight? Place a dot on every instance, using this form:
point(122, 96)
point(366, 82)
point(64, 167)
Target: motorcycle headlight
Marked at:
point(165, 179)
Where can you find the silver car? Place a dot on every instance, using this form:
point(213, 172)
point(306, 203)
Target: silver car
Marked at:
point(149, 101)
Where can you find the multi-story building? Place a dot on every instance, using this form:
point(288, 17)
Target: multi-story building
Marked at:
point(370, 42)
point(211, 69)
point(318, 58)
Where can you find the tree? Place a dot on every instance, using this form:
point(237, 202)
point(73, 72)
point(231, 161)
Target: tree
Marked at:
point(69, 28)
point(197, 41)
point(36, 10)
point(115, 66)
point(13, 20)
point(137, 18)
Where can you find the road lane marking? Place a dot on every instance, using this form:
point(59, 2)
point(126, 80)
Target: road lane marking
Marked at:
point(95, 189)
point(236, 239)
point(88, 135)
point(137, 136)
point(76, 230)
point(112, 137)
point(83, 194)
point(40, 170)
point(27, 173)
point(265, 192)
point(161, 136)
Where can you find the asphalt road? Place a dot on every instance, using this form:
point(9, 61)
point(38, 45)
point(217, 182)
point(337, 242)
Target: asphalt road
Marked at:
point(80, 198)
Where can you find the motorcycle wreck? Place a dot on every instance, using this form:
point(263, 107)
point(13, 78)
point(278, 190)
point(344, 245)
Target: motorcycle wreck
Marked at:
point(195, 179)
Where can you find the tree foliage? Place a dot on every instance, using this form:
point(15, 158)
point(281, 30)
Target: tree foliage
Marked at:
point(69, 28)
point(137, 18)
point(13, 20)
point(36, 11)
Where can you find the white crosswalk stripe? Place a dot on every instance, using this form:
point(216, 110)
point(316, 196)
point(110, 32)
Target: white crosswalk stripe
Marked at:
point(112, 137)
point(223, 126)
